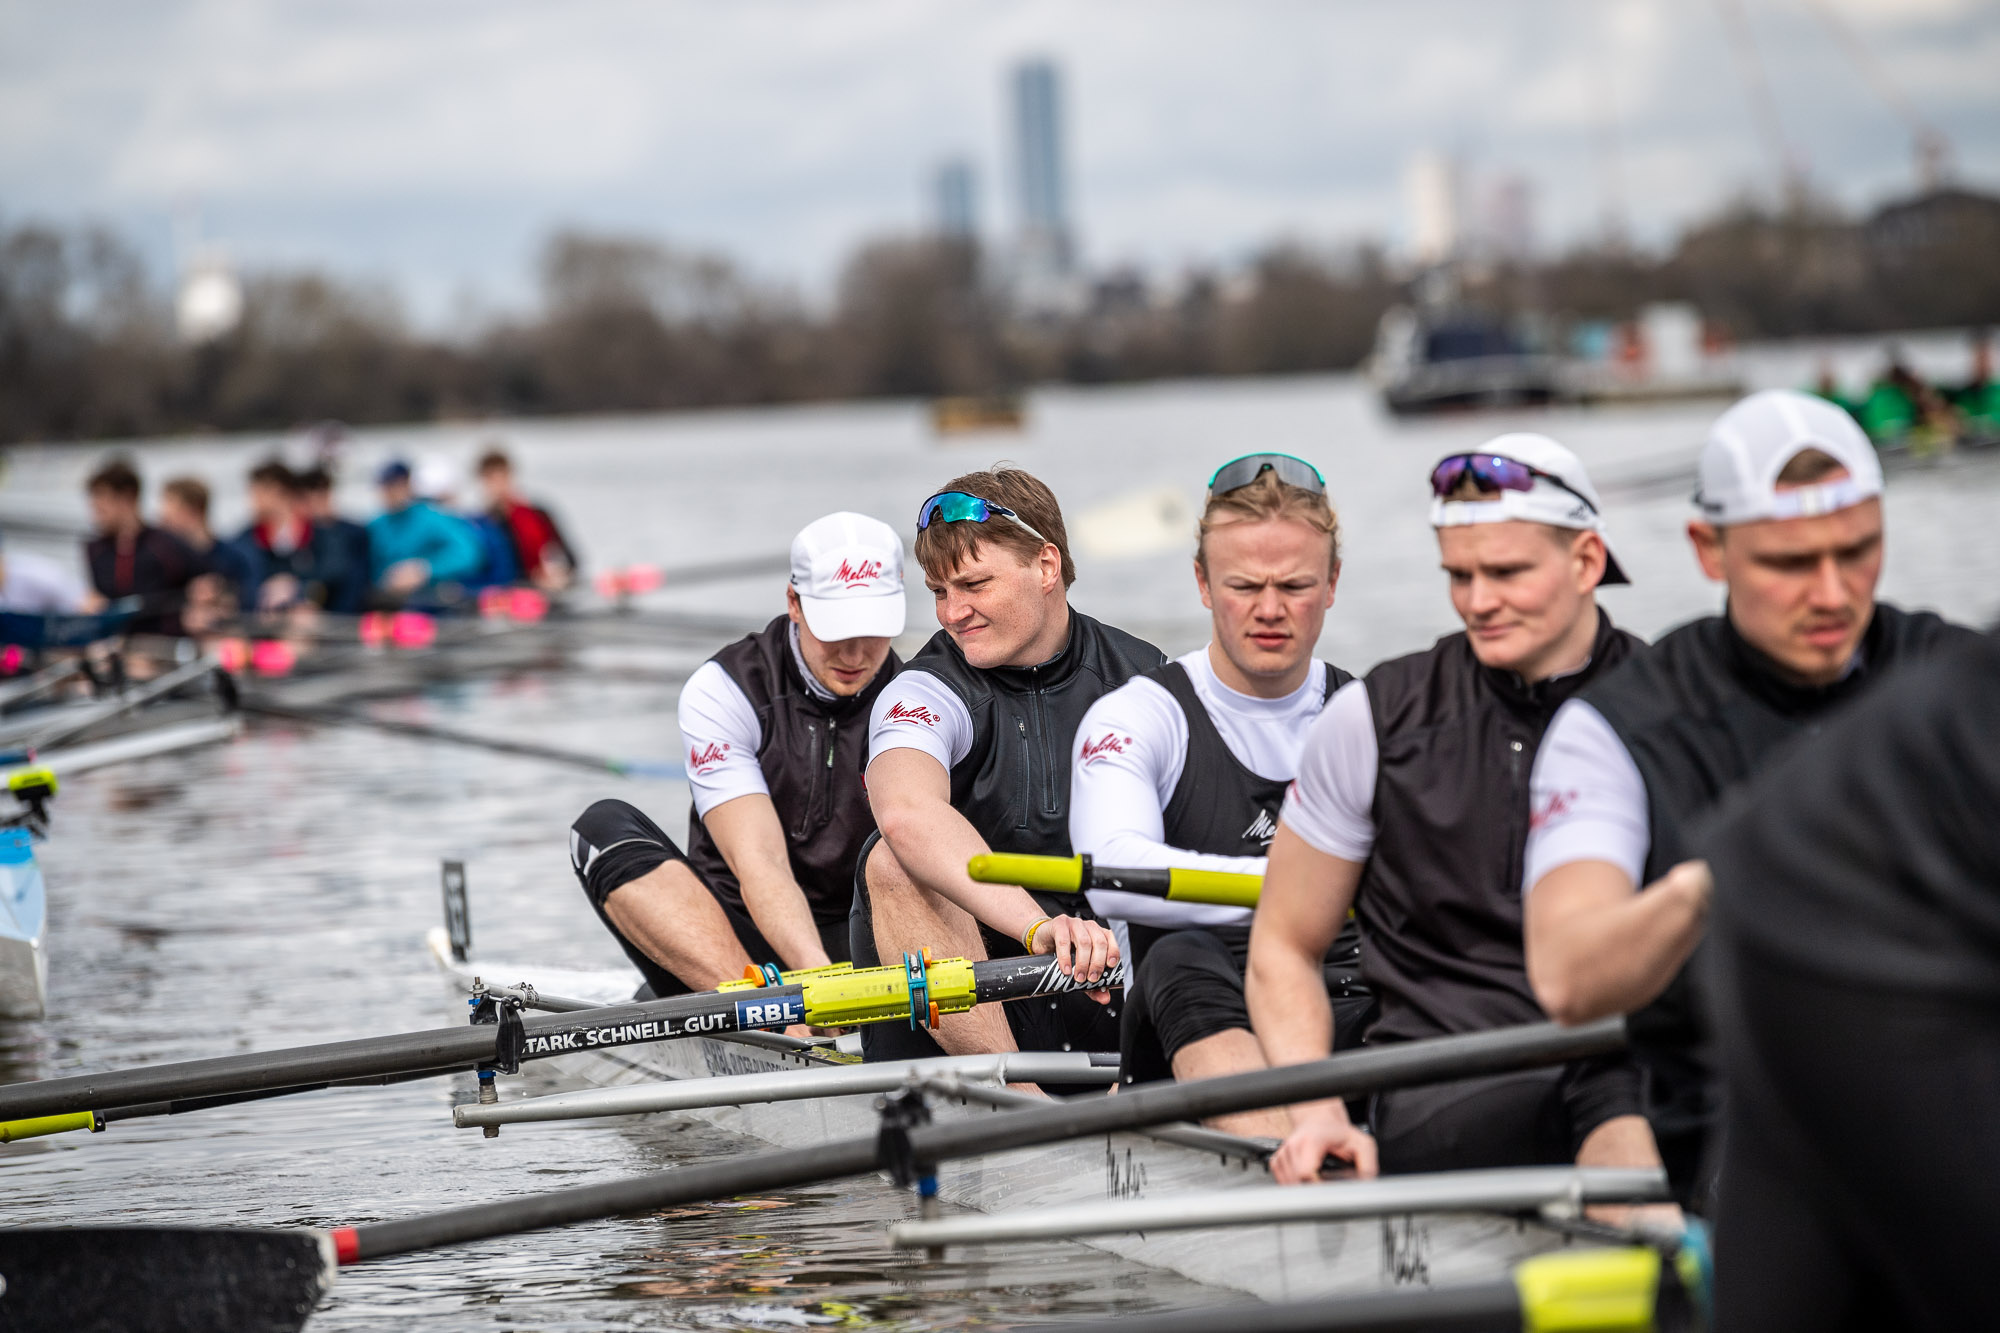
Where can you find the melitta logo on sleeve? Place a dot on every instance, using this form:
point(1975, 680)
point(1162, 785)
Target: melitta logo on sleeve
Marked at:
point(1555, 806)
point(914, 714)
point(703, 759)
point(1109, 743)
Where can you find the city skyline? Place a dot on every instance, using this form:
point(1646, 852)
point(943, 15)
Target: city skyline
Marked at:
point(434, 151)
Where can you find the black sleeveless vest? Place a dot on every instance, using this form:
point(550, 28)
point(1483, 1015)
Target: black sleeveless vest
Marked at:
point(1440, 899)
point(1700, 714)
point(1220, 806)
point(1013, 785)
point(812, 751)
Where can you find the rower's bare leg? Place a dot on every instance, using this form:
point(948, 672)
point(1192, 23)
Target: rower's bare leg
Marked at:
point(910, 918)
point(1231, 1051)
point(677, 923)
point(1627, 1140)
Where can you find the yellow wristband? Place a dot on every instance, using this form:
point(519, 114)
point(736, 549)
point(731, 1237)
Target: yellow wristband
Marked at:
point(1028, 935)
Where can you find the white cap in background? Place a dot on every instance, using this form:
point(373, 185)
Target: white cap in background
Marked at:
point(1559, 494)
point(1751, 443)
point(848, 572)
point(434, 479)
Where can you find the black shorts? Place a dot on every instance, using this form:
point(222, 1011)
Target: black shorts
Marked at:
point(1072, 1022)
point(1190, 986)
point(1536, 1117)
point(613, 843)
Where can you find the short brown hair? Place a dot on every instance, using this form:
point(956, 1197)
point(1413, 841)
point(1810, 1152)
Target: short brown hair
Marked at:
point(192, 492)
point(1808, 466)
point(1269, 498)
point(943, 547)
point(117, 477)
point(494, 460)
point(273, 472)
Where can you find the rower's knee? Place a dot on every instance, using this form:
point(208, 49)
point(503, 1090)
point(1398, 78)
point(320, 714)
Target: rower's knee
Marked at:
point(613, 843)
point(884, 874)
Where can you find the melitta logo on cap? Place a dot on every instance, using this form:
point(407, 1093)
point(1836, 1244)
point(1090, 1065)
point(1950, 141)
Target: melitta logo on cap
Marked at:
point(848, 575)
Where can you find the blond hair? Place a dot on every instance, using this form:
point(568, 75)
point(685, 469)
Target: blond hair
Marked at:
point(1269, 498)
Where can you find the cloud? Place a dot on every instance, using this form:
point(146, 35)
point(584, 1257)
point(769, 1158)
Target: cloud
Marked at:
point(436, 143)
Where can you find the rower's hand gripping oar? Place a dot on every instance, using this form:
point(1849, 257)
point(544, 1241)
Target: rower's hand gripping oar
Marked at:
point(1079, 874)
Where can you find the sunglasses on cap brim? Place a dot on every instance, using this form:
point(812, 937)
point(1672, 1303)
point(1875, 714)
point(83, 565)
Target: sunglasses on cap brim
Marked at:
point(958, 507)
point(1240, 472)
point(1491, 472)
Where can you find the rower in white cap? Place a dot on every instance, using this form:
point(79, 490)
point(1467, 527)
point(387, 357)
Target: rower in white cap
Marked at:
point(1411, 804)
point(775, 728)
point(1790, 520)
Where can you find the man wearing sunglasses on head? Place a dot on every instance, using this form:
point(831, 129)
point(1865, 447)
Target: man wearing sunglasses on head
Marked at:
point(1187, 766)
point(969, 753)
point(1411, 805)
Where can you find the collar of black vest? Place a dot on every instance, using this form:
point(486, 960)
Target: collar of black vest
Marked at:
point(1549, 693)
point(1041, 676)
point(787, 660)
point(1759, 674)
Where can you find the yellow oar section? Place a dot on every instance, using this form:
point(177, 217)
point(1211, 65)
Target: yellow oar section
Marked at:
point(37, 1126)
point(1074, 874)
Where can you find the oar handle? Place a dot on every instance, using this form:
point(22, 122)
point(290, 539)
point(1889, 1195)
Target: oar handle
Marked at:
point(1074, 874)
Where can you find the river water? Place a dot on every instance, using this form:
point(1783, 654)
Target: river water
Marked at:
point(275, 891)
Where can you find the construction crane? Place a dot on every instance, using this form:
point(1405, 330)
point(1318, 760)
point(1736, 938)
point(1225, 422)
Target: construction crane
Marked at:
point(1790, 164)
point(1933, 150)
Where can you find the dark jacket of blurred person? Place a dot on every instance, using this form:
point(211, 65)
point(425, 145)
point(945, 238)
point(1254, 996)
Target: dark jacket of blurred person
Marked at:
point(347, 541)
point(233, 568)
point(130, 558)
point(298, 562)
point(1857, 977)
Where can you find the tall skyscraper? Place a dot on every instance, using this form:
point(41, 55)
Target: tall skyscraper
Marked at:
point(1038, 145)
point(957, 216)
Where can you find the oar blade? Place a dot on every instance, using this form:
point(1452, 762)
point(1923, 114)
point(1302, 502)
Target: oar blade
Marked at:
point(160, 1279)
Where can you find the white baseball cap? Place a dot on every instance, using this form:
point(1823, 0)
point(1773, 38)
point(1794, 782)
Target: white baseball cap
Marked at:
point(1751, 443)
point(1551, 488)
point(848, 572)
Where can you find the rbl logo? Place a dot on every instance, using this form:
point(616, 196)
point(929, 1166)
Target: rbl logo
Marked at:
point(707, 757)
point(864, 572)
point(912, 713)
point(1110, 743)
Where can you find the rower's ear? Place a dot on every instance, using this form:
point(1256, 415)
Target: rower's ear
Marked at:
point(792, 607)
point(1707, 541)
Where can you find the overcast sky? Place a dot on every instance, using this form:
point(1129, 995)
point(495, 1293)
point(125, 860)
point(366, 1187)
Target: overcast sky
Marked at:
point(433, 143)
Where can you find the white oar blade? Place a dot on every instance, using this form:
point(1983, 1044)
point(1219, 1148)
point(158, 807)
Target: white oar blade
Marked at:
point(792, 1085)
point(1509, 1190)
point(161, 1279)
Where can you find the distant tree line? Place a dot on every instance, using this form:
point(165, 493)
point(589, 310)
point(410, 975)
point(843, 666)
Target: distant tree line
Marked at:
point(88, 347)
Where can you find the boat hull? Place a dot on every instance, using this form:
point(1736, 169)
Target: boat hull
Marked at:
point(1289, 1261)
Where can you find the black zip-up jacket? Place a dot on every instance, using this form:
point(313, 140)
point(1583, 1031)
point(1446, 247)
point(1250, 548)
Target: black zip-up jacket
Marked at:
point(1700, 714)
point(813, 752)
point(1439, 901)
point(1013, 785)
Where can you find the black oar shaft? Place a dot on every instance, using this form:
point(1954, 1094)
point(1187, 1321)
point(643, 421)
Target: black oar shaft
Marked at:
point(694, 1184)
point(440, 1051)
point(447, 1050)
point(1375, 1069)
point(1438, 1060)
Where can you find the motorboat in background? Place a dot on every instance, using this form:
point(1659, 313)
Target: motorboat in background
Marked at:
point(1458, 360)
point(1444, 358)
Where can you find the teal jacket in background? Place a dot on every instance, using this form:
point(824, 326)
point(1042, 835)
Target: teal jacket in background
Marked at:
point(421, 532)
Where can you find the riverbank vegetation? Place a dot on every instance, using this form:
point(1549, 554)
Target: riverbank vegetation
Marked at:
point(88, 346)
